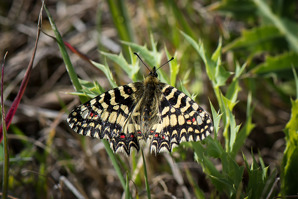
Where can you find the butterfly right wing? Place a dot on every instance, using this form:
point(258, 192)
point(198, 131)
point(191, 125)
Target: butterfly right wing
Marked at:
point(181, 120)
point(108, 116)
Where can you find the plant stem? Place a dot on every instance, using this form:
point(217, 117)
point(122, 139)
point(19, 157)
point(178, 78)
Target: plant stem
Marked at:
point(146, 177)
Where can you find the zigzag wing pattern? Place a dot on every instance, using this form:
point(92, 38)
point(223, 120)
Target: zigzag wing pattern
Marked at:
point(108, 116)
point(181, 120)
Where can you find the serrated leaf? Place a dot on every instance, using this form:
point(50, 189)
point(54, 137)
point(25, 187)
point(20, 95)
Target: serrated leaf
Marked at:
point(208, 167)
point(221, 75)
point(214, 148)
point(259, 183)
point(232, 171)
point(130, 69)
point(233, 90)
point(253, 37)
point(216, 120)
point(215, 71)
point(241, 136)
point(153, 58)
point(106, 70)
point(277, 64)
point(234, 128)
point(217, 53)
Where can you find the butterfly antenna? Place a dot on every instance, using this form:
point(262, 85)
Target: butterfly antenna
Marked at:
point(142, 61)
point(165, 63)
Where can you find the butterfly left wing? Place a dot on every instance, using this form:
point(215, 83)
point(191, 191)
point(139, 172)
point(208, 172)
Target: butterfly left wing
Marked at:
point(108, 116)
point(181, 120)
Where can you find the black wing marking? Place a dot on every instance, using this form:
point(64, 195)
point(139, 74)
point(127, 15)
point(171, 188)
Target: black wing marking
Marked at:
point(181, 120)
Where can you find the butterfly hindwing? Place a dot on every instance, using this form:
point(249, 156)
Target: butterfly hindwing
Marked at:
point(181, 120)
point(108, 116)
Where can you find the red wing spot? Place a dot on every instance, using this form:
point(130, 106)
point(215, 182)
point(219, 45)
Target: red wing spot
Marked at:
point(91, 114)
point(156, 135)
point(122, 136)
point(188, 121)
point(132, 136)
point(163, 137)
point(139, 132)
point(193, 119)
point(152, 131)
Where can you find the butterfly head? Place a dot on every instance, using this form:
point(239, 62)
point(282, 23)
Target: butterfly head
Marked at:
point(153, 72)
point(152, 77)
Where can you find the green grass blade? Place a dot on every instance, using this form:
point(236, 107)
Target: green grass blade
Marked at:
point(71, 72)
point(181, 19)
point(6, 158)
point(174, 68)
point(146, 177)
point(4, 134)
point(197, 191)
point(122, 22)
point(127, 192)
point(114, 162)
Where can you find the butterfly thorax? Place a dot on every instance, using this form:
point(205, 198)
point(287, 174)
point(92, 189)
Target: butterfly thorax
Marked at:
point(150, 97)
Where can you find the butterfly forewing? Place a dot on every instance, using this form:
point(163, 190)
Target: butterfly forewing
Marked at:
point(108, 116)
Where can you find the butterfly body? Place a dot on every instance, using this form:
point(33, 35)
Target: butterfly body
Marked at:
point(130, 115)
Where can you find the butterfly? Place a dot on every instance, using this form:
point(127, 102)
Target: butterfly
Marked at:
point(149, 111)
